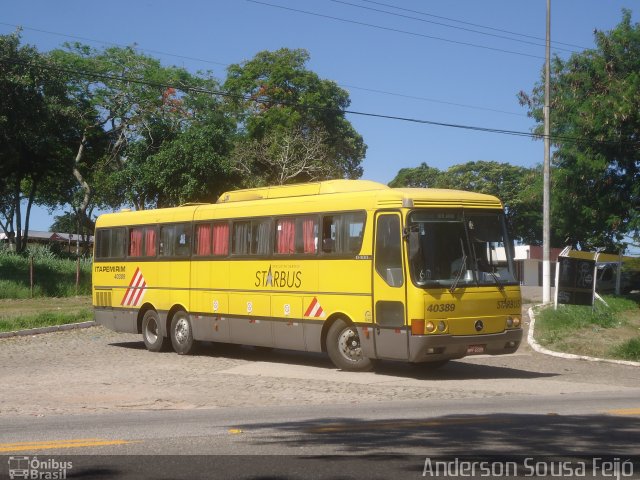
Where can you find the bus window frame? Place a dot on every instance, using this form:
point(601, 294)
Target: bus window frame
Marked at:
point(162, 257)
point(272, 220)
point(212, 223)
point(318, 222)
point(250, 220)
point(341, 255)
point(145, 257)
point(111, 230)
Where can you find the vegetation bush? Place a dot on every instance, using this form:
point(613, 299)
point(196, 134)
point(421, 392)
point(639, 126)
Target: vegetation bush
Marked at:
point(629, 350)
point(578, 329)
point(52, 276)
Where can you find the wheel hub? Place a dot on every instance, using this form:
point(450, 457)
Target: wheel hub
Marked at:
point(349, 343)
point(151, 332)
point(182, 330)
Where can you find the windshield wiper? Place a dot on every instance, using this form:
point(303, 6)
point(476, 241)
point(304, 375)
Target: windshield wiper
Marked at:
point(463, 267)
point(496, 279)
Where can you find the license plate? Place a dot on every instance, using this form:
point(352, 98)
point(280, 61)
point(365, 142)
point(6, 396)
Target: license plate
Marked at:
point(475, 349)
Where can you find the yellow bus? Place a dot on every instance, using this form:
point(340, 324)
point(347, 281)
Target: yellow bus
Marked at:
point(348, 267)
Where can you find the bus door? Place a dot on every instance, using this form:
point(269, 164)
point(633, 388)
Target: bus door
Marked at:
point(389, 298)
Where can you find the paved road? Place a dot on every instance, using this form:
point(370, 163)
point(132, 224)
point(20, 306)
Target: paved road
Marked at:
point(380, 440)
point(93, 391)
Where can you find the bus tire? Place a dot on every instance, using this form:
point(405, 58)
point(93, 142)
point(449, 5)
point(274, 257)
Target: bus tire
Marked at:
point(153, 339)
point(343, 347)
point(182, 333)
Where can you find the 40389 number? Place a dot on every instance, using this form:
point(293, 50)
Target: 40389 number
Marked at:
point(441, 307)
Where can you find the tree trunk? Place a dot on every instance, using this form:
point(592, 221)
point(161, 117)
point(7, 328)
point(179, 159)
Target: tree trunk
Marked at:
point(84, 185)
point(32, 194)
point(16, 199)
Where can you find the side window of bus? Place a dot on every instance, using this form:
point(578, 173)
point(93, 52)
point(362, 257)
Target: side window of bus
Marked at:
point(388, 252)
point(142, 242)
point(110, 243)
point(212, 239)
point(261, 237)
point(296, 235)
point(175, 240)
point(252, 237)
point(342, 233)
point(220, 238)
point(203, 239)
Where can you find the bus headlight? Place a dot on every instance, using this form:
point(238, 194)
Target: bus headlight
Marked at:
point(513, 322)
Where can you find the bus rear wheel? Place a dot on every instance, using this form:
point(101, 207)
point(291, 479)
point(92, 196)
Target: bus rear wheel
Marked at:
point(153, 339)
point(343, 347)
point(182, 334)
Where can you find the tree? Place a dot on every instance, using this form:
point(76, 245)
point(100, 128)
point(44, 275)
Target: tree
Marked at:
point(422, 176)
point(195, 166)
point(284, 111)
point(284, 157)
point(38, 125)
point(517, 187)
point(595, 128)
point(129, 107)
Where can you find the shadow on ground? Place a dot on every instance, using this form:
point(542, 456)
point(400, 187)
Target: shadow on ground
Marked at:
point(493, 434)
point(454, 370)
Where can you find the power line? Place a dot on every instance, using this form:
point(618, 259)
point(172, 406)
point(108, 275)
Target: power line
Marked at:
point(528, 42)
point(104, 42)
point(472, 24)
point(268, 101)
point(395, 30)
point(432, 100)
point(354, 87)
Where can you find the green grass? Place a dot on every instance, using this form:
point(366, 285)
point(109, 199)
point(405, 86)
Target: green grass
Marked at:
point(606, 331)
point(553, 325)
point(53, 277)
point(44, 319)
point(629, 350)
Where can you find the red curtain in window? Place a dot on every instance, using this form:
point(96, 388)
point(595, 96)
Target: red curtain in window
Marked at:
point(308, 235)
point(203, 239)
point(150, 242)
point(135, 242)
point(286, 236)
point(220, 238)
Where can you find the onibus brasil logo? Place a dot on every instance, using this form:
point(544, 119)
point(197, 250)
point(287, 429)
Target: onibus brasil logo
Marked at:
point(34, 468)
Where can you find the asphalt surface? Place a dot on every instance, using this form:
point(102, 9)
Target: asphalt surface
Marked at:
point(99, 399)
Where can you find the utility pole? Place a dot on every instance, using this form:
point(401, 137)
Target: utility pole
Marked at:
point(546, 201)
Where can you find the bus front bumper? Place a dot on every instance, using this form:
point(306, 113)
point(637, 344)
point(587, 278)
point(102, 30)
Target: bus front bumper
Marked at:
point(432, 348)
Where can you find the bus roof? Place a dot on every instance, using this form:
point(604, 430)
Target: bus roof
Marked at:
point(301, 189)
point(336, 195)
point(411, 197)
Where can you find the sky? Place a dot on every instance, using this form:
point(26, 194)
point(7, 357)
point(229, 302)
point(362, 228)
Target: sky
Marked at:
point(459, 62)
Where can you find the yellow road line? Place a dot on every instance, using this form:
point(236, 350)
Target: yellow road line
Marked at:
point(55, 444)
point(386, 425)
point(625, 411)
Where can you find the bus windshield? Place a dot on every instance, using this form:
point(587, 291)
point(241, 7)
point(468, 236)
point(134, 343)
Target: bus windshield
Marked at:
point(456, 248)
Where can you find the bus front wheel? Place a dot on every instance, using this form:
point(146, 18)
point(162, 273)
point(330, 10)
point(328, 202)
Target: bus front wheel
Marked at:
point(343, 347)
point(153, 339)
point(182, 333)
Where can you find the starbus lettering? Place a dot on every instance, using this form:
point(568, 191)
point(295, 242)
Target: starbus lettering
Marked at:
point(278, 278)
point(110, 269)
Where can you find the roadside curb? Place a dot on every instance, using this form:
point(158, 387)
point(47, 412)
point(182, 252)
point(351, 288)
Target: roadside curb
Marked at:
point(54, 328)
point(540, 349)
